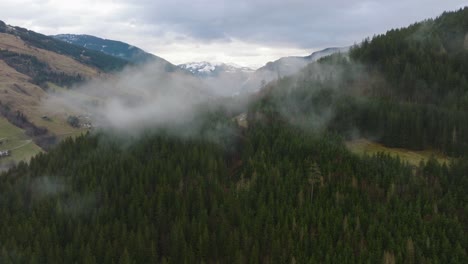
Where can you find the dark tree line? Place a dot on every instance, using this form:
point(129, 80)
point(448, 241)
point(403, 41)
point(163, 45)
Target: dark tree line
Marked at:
point(39, 72)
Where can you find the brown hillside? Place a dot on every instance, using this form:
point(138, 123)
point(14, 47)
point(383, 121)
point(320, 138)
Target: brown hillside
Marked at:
point(57, 62)
point(19, 93)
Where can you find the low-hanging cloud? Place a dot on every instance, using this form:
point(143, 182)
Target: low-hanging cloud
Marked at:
point(145, 97)
point(148, 96)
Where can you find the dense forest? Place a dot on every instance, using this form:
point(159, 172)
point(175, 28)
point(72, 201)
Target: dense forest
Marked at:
point(285, 196)
point(283, 189)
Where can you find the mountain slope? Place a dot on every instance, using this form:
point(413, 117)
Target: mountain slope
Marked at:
point(31, 66)
point(111, 47)
point(289, 65)
point(85, 56)
point(407, 89)
point(280, 188)
point(425, 62)
point(284, 67)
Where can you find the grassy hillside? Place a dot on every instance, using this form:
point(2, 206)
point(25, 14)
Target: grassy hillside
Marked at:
point(19, 94)
point(367, 147)
point(14, 139)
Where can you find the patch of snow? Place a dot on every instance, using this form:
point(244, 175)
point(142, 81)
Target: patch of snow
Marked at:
point(10, 28)
point(207, 67)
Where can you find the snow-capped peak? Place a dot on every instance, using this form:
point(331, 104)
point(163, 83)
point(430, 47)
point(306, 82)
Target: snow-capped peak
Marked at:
point(205, 68)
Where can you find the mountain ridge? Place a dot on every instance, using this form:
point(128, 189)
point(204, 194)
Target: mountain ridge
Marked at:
point(212, 69)
point(285, 66)
point(104, 62)
point(111, 47)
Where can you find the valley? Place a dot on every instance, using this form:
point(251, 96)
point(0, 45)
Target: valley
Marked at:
point(352, 154)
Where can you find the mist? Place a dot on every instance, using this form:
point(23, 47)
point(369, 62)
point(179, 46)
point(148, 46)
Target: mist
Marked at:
point(147, 97)
point(43, 187)
point(313, 99)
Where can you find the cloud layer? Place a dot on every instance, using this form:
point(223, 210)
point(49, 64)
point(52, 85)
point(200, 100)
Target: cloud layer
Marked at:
point(248, 32)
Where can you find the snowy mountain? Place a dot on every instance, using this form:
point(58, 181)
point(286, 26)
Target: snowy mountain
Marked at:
point(111, 47)
point(207, 69)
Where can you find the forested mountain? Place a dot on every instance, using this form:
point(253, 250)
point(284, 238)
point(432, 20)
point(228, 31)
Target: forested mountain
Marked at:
point(407, 88)
point(423, 63)
point(280, 188)
point(424, 100)
point(111, 47)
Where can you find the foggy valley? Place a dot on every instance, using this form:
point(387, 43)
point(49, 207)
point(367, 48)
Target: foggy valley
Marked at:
point(221, 132)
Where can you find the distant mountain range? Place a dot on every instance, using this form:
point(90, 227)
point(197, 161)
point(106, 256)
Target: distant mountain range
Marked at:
point(246, 77)
point(246, 80)
point(237, 76)
point(209, 69)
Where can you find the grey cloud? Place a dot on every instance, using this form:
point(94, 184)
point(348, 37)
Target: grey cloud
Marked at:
point(176, 29)
point(305, 24)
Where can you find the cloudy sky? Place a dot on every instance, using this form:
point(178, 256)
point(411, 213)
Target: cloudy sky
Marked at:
point(245, 32)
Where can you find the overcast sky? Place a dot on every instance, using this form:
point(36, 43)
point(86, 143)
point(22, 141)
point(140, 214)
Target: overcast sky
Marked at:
point(245, 32)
